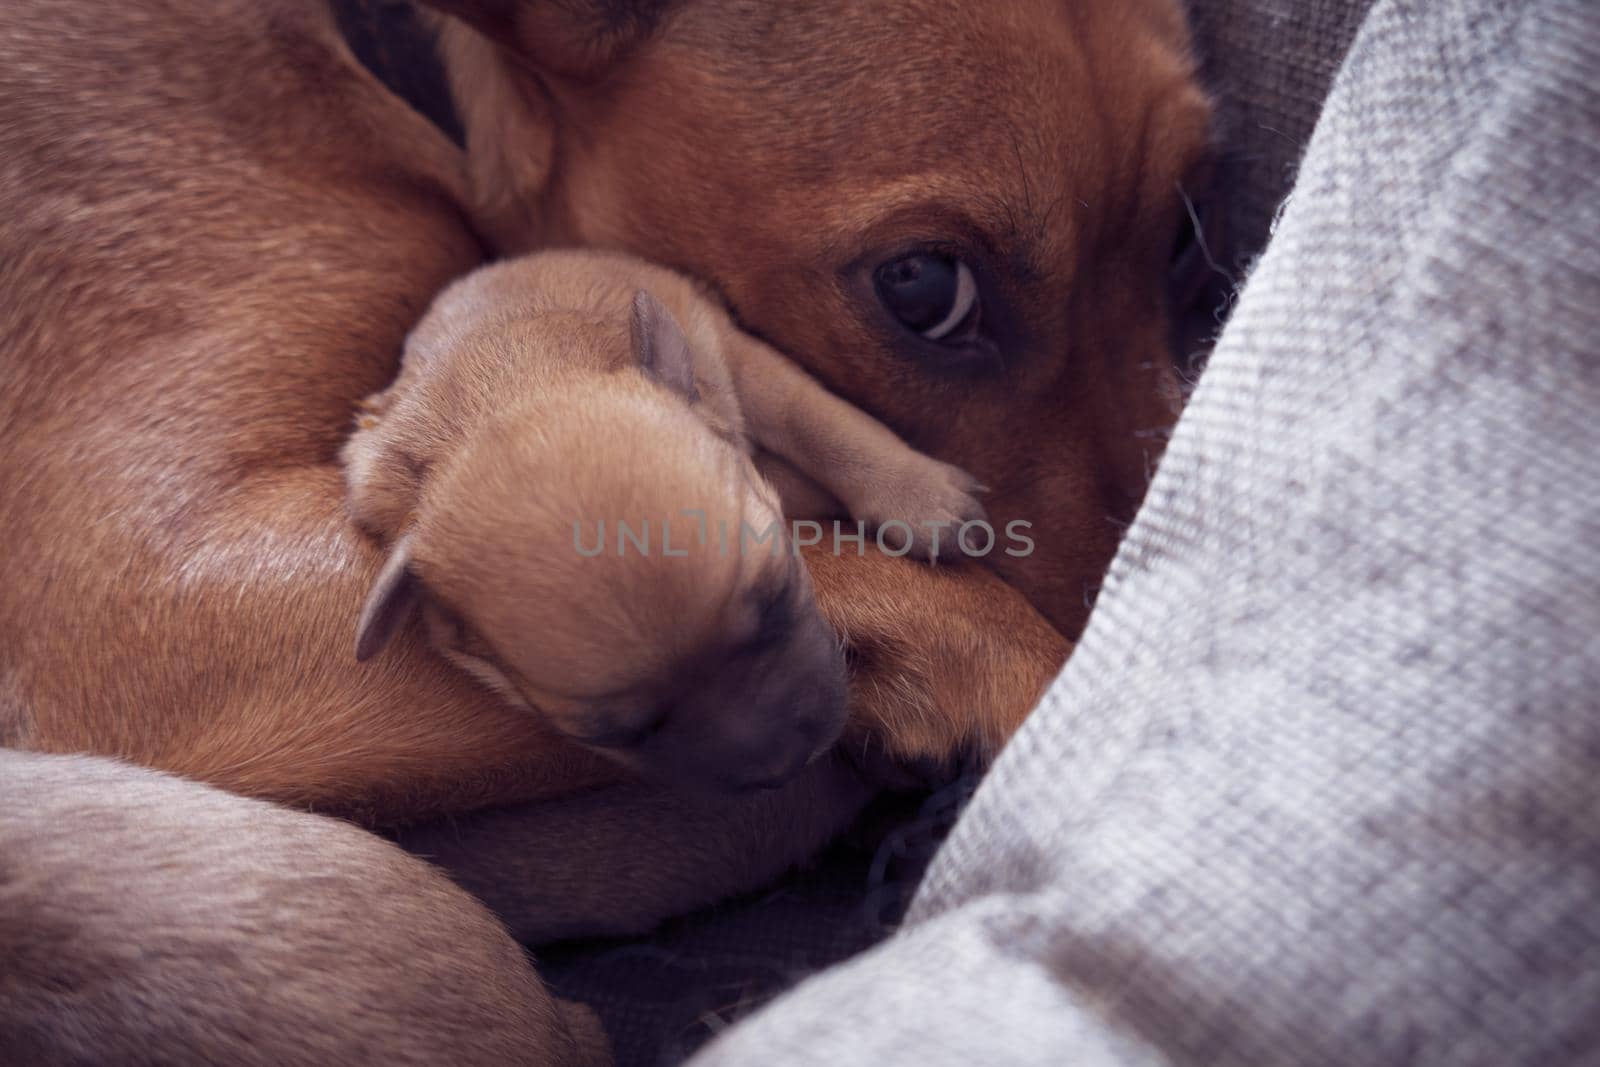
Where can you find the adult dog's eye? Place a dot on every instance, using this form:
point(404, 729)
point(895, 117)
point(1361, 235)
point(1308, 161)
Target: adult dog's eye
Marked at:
point(933, 296)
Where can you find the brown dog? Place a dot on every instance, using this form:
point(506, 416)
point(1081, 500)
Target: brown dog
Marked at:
point(180, 573)
point(208, 261)
point(211, 257)
point(540, 396)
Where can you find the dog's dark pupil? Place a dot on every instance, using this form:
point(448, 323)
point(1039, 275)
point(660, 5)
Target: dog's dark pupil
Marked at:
point(919, 290)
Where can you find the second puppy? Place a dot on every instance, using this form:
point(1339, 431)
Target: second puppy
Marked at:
point(546, 401)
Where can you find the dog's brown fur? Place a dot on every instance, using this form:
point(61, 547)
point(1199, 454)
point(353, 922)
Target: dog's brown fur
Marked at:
point(205, 265)
point(218, 230)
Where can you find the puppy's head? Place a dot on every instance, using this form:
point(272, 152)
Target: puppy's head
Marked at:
point(581, 553)
point(958, 215)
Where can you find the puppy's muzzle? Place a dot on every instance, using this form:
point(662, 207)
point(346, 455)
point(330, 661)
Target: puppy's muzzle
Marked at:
point(757, 720)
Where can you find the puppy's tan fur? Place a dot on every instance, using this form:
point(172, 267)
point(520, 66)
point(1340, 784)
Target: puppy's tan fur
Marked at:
point(544, 401)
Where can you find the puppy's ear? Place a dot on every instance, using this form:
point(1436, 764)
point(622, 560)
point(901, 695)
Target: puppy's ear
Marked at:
point(661, 346)
point(390, 604)
point(579, 39)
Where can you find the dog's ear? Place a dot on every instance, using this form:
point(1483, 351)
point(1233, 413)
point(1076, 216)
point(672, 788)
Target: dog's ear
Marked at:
point(496, 53)
point(390, 604)
point(661, 346)
point(580, 39)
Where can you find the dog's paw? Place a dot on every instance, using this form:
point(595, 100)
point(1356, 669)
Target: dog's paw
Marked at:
point(922, 513)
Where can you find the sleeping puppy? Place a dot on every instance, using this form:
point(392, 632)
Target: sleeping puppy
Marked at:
point(545, 402)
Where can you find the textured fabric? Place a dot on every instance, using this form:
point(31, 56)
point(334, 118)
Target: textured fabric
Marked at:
point(1320, 785)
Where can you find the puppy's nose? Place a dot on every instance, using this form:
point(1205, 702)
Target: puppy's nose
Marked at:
point(808, 721)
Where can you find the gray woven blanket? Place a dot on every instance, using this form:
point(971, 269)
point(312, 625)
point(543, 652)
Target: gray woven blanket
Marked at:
point(1322, 783)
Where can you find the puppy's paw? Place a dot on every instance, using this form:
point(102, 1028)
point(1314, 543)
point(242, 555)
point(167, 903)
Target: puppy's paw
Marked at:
point(925, 509)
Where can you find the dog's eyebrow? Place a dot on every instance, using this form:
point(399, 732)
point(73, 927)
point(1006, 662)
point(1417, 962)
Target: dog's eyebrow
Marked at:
point(1029, 224)
point(1018, 236)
